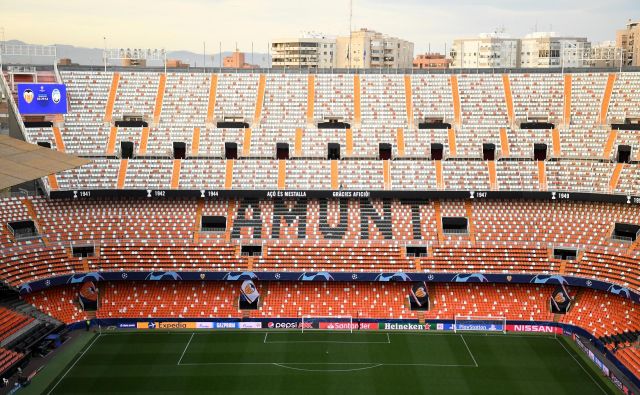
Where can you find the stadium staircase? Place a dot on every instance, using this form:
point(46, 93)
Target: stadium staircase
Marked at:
point(542, 175)
point(566, 106)
point(357, 118)
point(508, 98)
point(451, 134)
point(122, 173)
point(455, 94)
point(400, 142)
point(606, 99)
point(157, 111)
point(195, 142)
point(211, 103)
point(175, 174)
point(58, 138)
point(608, 148)
point(349, 142)
point(228, 175)
point(408, 101)
point(246, 141)
point(504, 143)
point(555, 135)
point(311, 96)
point(259, 103)
point(111, 142)
point(34, 217)
point(113, 92)
point(297, 145)
point(615, 177)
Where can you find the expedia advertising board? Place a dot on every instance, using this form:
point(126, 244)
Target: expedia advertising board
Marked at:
point(41, 99)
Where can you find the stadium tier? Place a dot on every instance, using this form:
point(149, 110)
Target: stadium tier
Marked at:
point(336, 235)
point(148, 130)
point(602, 314)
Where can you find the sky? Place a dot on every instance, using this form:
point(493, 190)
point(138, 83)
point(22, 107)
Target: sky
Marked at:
point(186, 24)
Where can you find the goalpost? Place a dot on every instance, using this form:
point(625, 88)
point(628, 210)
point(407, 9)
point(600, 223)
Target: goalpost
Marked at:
point(333, 322)
point(468, 323)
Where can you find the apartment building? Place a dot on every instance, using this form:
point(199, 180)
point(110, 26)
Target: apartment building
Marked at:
point(629, 40)
point(304, 52)
point(488, 50)
point(366, 49)
point(431, 61)
point(548, 49)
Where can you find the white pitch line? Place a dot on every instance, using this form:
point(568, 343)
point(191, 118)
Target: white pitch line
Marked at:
point(74, 364)
point(321, 341)
point(327, 363)
point(388, 338)
point(265, 337)
point(185, 348)
point(326, 370)
point(579, 364)
point(468, 349)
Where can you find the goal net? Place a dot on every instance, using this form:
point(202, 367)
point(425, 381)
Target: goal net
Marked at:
point(466, 323)
point(335, 322)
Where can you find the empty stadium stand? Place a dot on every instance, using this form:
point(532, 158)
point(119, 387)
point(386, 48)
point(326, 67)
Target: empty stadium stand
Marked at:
point(197, 110)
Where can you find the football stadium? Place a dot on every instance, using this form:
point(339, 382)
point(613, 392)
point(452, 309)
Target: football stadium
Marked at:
point(172, 228)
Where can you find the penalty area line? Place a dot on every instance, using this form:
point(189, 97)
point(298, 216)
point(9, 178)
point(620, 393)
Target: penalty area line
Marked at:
point(468, 349)
point(185, 348)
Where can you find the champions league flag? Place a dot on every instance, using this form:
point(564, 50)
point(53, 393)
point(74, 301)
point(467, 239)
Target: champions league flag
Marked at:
point(249, 291)
point(419, 296)
point(560, 300)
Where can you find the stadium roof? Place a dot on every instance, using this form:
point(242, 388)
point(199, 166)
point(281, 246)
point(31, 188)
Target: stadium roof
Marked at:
point(21, 162)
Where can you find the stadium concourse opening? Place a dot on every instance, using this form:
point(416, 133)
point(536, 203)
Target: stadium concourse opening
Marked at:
point(230, 150)
point(333, 151)
point(213, 223)
point(126, 150)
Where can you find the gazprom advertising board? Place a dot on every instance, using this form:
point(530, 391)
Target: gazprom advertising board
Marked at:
point(41, 99)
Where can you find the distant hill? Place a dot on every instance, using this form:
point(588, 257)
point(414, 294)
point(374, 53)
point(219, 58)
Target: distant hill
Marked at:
point(93, 56)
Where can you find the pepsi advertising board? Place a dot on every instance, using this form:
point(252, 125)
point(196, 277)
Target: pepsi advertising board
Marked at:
point(42, 99)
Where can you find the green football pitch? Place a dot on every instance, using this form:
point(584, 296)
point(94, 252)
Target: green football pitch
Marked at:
point(287, 362)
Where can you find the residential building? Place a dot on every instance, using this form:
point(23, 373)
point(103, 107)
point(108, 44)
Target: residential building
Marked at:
point(365, 49)
point(629, 40)
point(547, 49)
point(431, 61)
point(237, 61)
point(488, 50)
point(310, 51)
point(605, 54)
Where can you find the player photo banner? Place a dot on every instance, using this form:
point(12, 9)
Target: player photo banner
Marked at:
point(249, 291)
point(419, 294)
point(560, 300)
